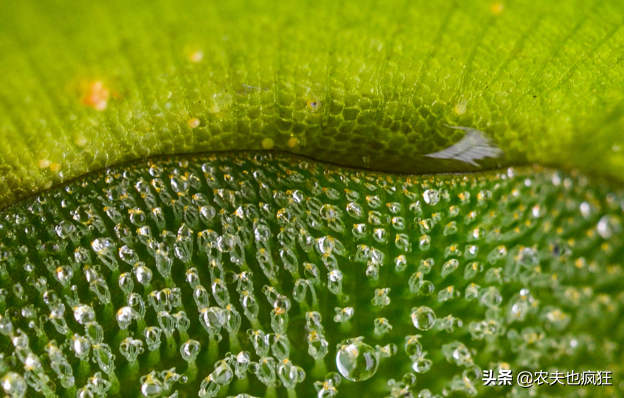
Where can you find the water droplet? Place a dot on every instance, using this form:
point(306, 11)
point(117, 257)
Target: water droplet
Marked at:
point(128, 255)
point(490, 297)
point(413, 348)
point(373, 201)
point(498, 253)
point(131, 348)
point(426, 265)
point(124, 317)
point(449, 267)
point(431, 196)
point(84, 314)
point(151, 387)
point(423, 318)
point(65, 229)
point(400, 263)
point(422, 364)
point(472, 291)
point(14, 385)
point(102, 245)
point(398, 223)
point(450, 228)
point(359, 231)
point(142, 273)
point(382, 326)
point(356, 361)
point(343, 314)
point(381, 298)
point(458, 353)
point(447, 294)
point(609, 225)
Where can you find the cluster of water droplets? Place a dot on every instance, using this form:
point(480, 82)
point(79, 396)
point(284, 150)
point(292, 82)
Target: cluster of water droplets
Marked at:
point(221, 274)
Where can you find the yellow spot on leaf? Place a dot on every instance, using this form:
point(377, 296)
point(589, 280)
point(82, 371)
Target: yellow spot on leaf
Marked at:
point(196, 56)
point(96, 96)
point(497, 8)
point(44, 163)
point(267, 143)
point(81, 140)
point(55, 167)
point(292, 142)
point(460, 108)
point(193, 122)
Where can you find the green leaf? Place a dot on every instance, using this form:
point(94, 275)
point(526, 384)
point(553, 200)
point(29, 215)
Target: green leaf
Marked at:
point(396, 86)
point(362, 84)
point(274, 262)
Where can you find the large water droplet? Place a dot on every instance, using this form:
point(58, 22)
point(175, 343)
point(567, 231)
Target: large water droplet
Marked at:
point(84, 314)
point(152, 388)
point(13, 385)
point(189, 350)
point(356, 361)
point(431, 196)
point(608, 226)
point(423, 318)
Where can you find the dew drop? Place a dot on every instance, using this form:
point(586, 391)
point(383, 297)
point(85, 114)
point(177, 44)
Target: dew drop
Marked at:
point(423, 318)
point(609, 225)
point(422, 364)
point(356, 361)
point(84, 314)
point(13, 385)
point(124, 317)
point(431, 196)
point(425, 288)
point(152, 388)
point(413, 348)
point(343, 314)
